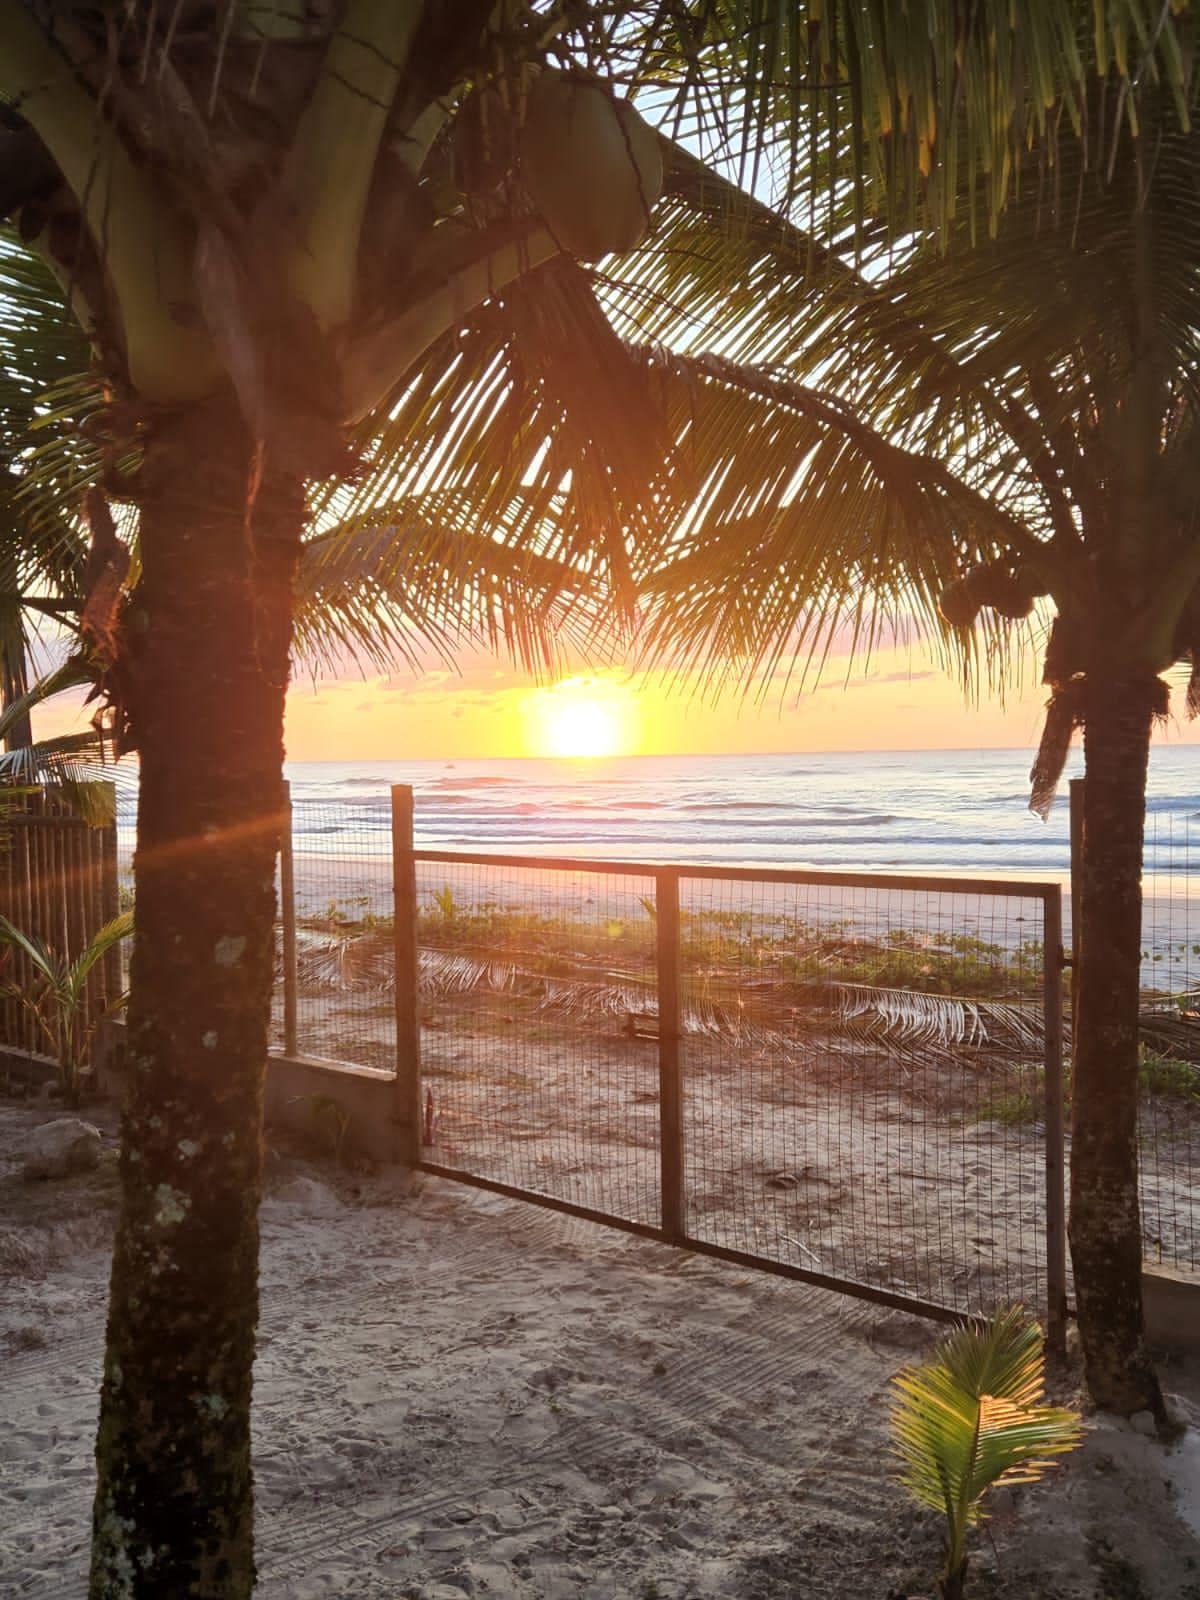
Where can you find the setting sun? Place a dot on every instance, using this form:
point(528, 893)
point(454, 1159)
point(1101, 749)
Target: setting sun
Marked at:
point(580, 717)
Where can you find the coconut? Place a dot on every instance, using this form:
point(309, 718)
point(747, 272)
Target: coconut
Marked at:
point(957, 604)
point(1011, 598)
point(1032, 581)
point(991, 584)
point(591, 166)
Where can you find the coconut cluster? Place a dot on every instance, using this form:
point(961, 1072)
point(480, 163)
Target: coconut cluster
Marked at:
point(1009, 588)
point(587, 161)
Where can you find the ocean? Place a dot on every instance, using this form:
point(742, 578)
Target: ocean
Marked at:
point(951, 812)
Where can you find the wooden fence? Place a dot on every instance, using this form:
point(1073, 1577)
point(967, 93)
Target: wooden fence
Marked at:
point(58, 882)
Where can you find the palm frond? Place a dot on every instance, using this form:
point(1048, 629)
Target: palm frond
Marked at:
point(973, 1417)
point(74, 768)
point(44, 961)
point(796, 1015)
point(40, 341)
point(810, 522)
point(97, 947)
point(72, 673)
point(531, 422)
point(949, 1022)
point(913, 113)
point(418, 574)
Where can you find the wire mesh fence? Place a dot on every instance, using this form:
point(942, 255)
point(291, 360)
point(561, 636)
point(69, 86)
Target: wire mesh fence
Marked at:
point(340, 892)
point(865, 1089)
point(849, 1078)
point(1169, 1069)
point(539, 1061)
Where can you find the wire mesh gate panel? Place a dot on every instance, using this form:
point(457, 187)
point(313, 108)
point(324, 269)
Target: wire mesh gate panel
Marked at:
point(335, 1000)
point(867, 1082)
point(539, 1038)
point(854, 1080)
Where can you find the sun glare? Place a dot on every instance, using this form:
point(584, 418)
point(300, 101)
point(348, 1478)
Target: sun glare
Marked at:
point(581, 718)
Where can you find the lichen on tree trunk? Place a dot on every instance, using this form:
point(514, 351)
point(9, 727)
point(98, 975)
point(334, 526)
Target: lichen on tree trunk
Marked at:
point(1105, 1226)
point(209, 634)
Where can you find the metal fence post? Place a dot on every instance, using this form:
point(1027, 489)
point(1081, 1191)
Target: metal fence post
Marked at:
point(1053, 966)
point(670, 1086)
point(408, 1020)
point(287, 895)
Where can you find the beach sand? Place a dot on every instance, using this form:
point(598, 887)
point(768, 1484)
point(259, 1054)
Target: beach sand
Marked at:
point(460, 1395)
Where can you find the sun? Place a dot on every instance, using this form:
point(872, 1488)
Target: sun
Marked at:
point(580, 718)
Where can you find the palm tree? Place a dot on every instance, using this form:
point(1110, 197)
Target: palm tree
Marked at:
point(998, 296)
point(301, 244)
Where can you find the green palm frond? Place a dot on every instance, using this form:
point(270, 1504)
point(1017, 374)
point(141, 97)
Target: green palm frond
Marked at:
point(974, 1417)
point(98, 946)
point(49, 966)
point(915, 113)
point(53, 990)
point(71, 674)
point(45, 391)
point(533, 422)
point(70, 766)
point(40, 342)
point(813, 523)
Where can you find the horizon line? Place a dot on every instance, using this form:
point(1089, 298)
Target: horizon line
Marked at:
point(684, 755)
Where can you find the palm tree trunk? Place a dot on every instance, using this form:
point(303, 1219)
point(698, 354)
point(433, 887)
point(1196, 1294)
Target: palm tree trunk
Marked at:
point(14, 675)
point(1105, 1228)
point(208, 652)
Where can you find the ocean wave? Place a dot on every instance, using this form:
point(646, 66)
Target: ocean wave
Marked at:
point(600, 804)
point(717, 804)
point(472, 783)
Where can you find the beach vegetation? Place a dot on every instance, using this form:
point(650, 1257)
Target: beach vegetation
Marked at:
point(43, 550)
point(448, 907)
point(1015, 1108)
point(55, 993)
point(974, 1418)
point(1165, 1075)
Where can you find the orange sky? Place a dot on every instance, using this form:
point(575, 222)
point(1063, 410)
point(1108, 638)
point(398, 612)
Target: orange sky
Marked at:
point(901, 701)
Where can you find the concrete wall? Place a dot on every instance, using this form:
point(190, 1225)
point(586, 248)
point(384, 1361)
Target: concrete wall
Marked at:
point(1171, 1296)
point(23, 1067)
point(326, 1102)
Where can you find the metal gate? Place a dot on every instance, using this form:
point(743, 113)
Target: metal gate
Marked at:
point(847, 1078)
